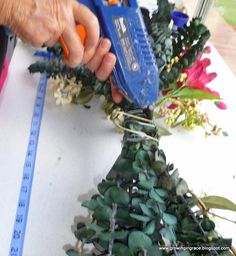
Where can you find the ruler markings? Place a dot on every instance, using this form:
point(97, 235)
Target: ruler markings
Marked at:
point(17, 242)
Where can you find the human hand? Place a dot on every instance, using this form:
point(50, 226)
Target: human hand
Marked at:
point(41, 22)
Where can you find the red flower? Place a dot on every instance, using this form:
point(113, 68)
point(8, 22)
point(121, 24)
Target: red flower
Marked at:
point(173, 106)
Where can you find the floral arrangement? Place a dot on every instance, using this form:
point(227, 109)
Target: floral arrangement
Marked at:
point(143, 206)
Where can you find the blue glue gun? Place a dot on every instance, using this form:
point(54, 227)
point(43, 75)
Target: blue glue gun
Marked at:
point(135, 73)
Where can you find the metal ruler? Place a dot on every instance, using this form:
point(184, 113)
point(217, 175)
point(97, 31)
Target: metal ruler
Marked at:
point(17, 242)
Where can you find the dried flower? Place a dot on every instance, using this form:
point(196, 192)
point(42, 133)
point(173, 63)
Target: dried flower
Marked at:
point(65, 90)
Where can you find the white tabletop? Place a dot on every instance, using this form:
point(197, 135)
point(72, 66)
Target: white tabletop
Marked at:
point(77, 148)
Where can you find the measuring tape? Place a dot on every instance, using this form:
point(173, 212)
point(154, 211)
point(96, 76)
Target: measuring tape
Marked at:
point(18, 236)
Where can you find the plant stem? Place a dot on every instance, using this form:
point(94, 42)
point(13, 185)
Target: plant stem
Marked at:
point(200, 202)
point(193, 216)
point(233, 250)
point(136, 132)
point(144, 252)
point(196, 221)
point(221, 217)
point(169, 95)
point(112, 228)
point(175, 252)
point(135, 117)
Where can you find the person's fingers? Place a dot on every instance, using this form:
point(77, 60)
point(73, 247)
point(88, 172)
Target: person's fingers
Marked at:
point(106, 66)
point(116, 94)
point(51, 42)
point(84, 16)
point(74, 45)
point(103, 47)
point(54, 33)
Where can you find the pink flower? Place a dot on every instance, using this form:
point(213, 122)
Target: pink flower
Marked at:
point(207, 49)
point(197, 76)
point(221, 105)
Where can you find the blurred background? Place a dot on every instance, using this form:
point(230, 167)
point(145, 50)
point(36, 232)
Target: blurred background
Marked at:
point(219, 16)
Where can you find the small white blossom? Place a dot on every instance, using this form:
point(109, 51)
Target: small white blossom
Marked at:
point(65, 90)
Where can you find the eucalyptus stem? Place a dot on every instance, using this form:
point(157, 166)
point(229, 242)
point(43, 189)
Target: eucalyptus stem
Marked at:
point(196, 221)
point(144, 252)
point(112, 228)
point(175, 252)
point(193, 216)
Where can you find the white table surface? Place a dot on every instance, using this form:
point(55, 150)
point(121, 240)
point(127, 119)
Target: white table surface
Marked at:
point(77, 148)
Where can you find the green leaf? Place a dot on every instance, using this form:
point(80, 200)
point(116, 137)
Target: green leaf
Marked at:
point(94, 227)
point(136, 201)
point(136, 167)
point(142, 158)
point(104, 185)
point(122, 167)
point(102, 213)
point(147, 184)
point(121, 249)
point(153, 194)
point(159, 166)
point(142, 177)
point(218, 202)
point(146, 210)
point(166, 183)
point(138, 240)
point(85, 96)
point(123, 218)
point(90, 204)
point(150, 228)
point(120, 235)
point(100, 245)
point(142, 192)
point(151, 203)
point(116, 195)
point(162, 192)
point(196, 94)
point(140, 217)
point(168, 234)
point(175, 177)
point(84, 233)
point(182, 188)
point(101, 201)
point(154, 250)
point(72, 252)
point(149, 144)
point(192, 237)
point(169, 219)
point(187, 224)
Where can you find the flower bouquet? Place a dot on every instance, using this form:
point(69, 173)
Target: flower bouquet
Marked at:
point(143, 206)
